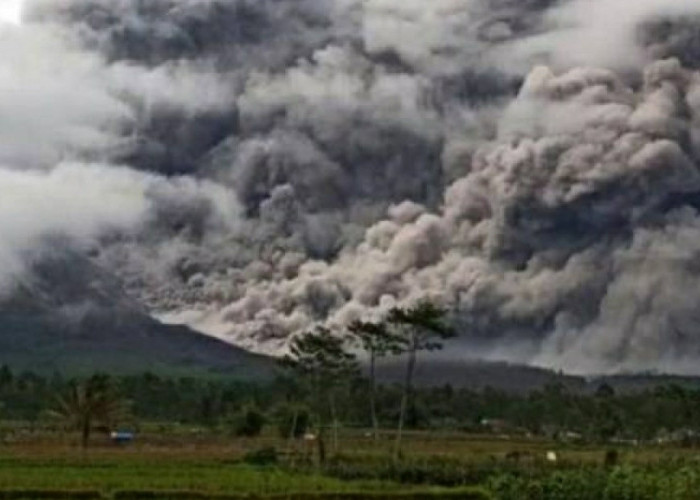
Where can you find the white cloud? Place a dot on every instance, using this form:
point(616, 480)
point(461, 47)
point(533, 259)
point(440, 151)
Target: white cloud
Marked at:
point(79, 202)
point(83, 202)
point(54, 102)
point(11, 11)
point(599, 32)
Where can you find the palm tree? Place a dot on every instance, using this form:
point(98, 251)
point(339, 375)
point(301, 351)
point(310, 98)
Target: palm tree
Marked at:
point(89, 403)
point(422, 328)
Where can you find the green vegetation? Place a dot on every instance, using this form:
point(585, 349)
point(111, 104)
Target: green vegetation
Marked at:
point(88, 403)
point(182, 465)
point(203, 438)
point(249, 422)
point(47, 469)
point(108, 476)
point(621, 483)
point(378, 341)
point(420, 328)
point(321, 364)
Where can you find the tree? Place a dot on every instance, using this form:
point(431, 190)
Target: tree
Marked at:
point(421, 328)
point(320, 360)
point(89, 403)
point(377, 340)
point(292, 421)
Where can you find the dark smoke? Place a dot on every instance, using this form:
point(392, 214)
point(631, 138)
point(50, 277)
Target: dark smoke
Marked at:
point(383, 151)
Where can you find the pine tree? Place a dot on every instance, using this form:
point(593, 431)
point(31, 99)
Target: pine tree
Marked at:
point(378, 341)
point(421, 328)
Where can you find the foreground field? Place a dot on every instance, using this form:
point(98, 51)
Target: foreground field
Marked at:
point(199, 447)
point(184, 465)
point(112, 475)
point(189, 463)
point(127, 478)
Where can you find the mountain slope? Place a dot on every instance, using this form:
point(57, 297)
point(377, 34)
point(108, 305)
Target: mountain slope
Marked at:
point(69, 316)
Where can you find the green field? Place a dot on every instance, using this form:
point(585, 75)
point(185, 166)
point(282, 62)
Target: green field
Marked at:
point(190, 463)
point(121, 477)
point(178, 465)
point(112, 475)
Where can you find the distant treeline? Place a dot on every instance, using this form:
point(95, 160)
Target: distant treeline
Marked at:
point(554, 410)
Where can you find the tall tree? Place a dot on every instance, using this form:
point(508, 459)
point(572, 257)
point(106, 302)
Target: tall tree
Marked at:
point(89, 403)
point(321, 360)
point(421, 327)
point(377, 340)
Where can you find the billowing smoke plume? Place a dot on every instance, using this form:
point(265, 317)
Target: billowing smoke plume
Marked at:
point(253, 168)
point(64, 112)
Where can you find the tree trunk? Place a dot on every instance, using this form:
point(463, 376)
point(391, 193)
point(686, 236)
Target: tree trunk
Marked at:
point(85, 433)
point(293, 434)
point(373, 395)
point(408, 384)
point(334, 422)
point(321, 442)
point(295, 422)
point(321, 437)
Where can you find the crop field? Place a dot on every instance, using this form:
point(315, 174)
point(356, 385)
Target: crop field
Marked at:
point(200, 446)
point(115, 474)
point(179, 465)
point(190, 463)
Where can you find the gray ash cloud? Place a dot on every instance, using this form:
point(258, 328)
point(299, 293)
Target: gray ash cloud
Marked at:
point(533, 168)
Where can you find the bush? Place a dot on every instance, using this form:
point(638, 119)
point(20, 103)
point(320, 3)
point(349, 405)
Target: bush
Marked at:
point(612, 457)
point(249, 422)
point(629, 483)
point(577, 484)
point(598, 483)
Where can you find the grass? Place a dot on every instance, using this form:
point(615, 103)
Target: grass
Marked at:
point(190, 463)
point(187, 463)
point(34, 494)
point(109, 476)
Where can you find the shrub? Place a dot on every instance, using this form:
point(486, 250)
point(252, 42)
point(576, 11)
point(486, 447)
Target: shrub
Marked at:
point(576, 484)
point(249, 422)
point(630, 483)
point(611, 458)
point(596, 483)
